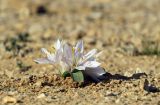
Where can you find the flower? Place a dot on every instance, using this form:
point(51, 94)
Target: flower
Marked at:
point(73, 58)
point(52, 58)
point(76, 59)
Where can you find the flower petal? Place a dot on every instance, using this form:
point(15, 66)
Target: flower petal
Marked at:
point(58, 55)
point(91, 64)
point(89, 55)
point(50, 57)
point(42, 61)
point(80, 68)
point(57, 45)
point(68, 62)
point(64, 67)
point(79, 47)
point(45, 51)
point(78, 57)
point(68, 52)
point(91, 59)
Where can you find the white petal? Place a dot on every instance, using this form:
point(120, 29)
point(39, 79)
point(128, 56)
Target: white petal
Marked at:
point(45, 51)
point(42, 61)
point(91, 59)
point(57, 45)
point(50, 57)
point(79, 46)
point(77, 54)
point(64, 66)
point(91, 64)
point(80, 68)
point(78, 57)
point(89, 55)
point(67, 51)
point(66, 61)
point(58, 55)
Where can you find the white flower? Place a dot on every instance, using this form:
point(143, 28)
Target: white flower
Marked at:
point(76, 59)
point(70, 58)
point(52, 58)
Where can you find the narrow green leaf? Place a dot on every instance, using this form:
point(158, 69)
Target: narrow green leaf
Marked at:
point(77, 75)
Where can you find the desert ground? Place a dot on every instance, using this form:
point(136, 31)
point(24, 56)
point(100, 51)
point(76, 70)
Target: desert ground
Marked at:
point(127, 31)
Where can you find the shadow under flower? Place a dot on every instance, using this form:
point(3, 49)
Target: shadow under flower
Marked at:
point(121, 77)
point(109, 76)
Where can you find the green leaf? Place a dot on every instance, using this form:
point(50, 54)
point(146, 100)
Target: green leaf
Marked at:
point(66, 74)
point(77, 75)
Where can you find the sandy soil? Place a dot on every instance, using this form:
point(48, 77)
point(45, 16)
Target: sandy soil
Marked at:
point(128, 32)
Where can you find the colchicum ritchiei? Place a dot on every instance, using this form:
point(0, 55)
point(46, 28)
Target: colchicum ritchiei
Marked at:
point(73, 62)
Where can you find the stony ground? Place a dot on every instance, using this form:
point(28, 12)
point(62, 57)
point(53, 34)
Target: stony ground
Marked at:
point(128, 32)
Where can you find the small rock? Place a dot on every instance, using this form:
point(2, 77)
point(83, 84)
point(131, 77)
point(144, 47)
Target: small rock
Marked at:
point(127, 74)
point(9, 99)
point(94, 16)
point(41, 95)
point(117, 101)
point(49, 99)
point(38, 83)
point(12, 93)
point(55, 77)
point(138, 70)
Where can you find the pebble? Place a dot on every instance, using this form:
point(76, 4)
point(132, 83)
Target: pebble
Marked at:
point(9, 99)
point(41, 96)
point(127, 74)
point(117, 101)
point(138, 70)
point(38, 83)
point(95, 16)
point(55, 77)
point(12, 93)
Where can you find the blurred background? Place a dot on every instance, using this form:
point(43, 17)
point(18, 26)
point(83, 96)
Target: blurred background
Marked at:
point(121, 28)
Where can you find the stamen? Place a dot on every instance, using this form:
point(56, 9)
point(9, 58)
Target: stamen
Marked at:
point(53, 49)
